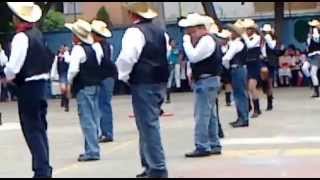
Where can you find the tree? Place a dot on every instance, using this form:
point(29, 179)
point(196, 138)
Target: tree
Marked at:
point(210, 11)
point(103, 15)
point(53, 21)
point(279, 17)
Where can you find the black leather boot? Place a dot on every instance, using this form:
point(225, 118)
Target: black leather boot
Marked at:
point(228, 98)
point(316, 92)
point(270, 103)
point(256, 108)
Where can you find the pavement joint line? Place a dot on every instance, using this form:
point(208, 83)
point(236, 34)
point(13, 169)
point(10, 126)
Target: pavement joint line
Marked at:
point(109, 151)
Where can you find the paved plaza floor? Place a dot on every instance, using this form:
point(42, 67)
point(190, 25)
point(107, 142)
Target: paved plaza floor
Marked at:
point(281, 143)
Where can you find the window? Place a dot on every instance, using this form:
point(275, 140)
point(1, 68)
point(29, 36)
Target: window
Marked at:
point(70, 8)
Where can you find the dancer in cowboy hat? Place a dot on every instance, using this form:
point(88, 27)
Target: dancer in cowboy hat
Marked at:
point(235, 60)
point(200, 48)
point(313, 43)
point(28, 68)
point(254, 65)
point(224, 35)
point(222, 39)
point(109, 72)
point(270, 51)
point(143, 64)
point(85, 78)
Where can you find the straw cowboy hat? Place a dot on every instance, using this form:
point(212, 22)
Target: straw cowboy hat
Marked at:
point(82, 29)
point(314, 23)
point(224, 34)
point(195, 19)
point(213, 29)
point(100, 28)
point(237, 27)
point(267, 28)
point(142, 9)
point(249, 23)
point(27, 11)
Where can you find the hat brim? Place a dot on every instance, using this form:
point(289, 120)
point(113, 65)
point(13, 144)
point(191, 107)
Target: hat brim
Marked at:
point(314, 24)
point(150, 14)
point(235, 29)
point(185, 23)
point(36, 14)
point(87, 40)
point(106, 33)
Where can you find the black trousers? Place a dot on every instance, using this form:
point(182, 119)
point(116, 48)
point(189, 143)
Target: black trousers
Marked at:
point(32, 105)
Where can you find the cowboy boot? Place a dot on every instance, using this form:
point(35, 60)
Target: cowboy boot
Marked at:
point(316, 92)
point(228, 98)
point(256, 108)
point(270, 103)
point(66, 105)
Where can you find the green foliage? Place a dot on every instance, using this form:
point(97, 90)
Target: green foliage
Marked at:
point(54, 21)
point(103, 15)
point(301, 30)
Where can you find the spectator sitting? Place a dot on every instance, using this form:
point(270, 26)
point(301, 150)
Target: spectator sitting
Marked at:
point(284, 70)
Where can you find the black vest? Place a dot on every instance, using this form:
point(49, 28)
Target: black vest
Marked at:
point(272, 56)
point(152, 66)
point(62, 66)
point(211, 66)
point(240, 57)
point(314, 46)
point(253, 54)
point(37, 60)
point(89, 74)
point(108, 68)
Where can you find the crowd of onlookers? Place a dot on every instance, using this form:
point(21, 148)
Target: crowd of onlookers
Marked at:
point(289, 73)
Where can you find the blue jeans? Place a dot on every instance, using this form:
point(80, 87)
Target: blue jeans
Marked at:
point(89, 114)
point(206, 128)
point(240, 93)
point(105, 97)
point(147, 100)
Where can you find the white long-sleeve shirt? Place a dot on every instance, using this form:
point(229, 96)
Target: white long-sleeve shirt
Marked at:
point(19, 49)
point(99, 51)
point(133, 42)
point(315, 37)
point(3, 58)
point(252, 41)
point(77, 57)
point(205, 47)
point(235, 46)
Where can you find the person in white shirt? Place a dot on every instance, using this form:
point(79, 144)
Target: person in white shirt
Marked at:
point(313, 43)
point(59, 71)
point(234, 59)
point(28, 68)
point(109, 72)
point(271, 54)
point(85, 77)
point(254, 64)
point(3, 85)
point(200, 47)
point(142, 64)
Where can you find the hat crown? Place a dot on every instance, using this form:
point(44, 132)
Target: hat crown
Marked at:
point(27, 11)
point(267, 27)
point(195, 19)
point(82, 27)
point(139, 6)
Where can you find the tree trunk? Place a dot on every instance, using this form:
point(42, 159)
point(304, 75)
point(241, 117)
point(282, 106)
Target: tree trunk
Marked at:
point(210, 11)
point(279, 18)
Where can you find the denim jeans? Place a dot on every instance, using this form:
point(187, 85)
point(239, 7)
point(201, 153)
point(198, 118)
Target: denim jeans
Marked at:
point(105, 97)
point(147, 100)
point(89, 115)
point(206, 125)
point(32, 105)
point(240, 92)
